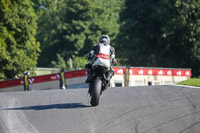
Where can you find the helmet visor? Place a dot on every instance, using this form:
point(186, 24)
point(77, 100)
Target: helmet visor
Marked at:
point(105, 39)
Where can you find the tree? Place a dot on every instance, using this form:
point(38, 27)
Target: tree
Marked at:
point(76, 64)
point(161, 33)
point(60, 63)
point(17, 37)
point(79, 26)
point(50, 19)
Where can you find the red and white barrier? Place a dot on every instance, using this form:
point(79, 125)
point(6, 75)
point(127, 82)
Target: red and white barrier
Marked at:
point(154, 71)
point(83, 73)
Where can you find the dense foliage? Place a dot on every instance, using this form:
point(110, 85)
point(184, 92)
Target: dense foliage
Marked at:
point(18, 46)
point(153, 33)
point(163, 33)
point(73, 29)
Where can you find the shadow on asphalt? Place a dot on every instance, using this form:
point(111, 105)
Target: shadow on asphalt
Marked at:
point(51, 106)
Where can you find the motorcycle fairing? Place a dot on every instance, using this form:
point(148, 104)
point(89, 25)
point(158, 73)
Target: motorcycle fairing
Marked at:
point(102, 62)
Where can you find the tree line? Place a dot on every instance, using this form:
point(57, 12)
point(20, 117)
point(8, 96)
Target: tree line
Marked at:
point(47, 33)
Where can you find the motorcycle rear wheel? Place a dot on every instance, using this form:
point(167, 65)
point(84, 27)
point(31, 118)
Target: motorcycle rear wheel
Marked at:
point(96, 90)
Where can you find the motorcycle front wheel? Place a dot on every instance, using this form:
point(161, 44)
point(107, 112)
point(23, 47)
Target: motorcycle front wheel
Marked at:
point(96, 90)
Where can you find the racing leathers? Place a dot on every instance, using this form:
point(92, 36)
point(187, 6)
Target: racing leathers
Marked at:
point(106, 51)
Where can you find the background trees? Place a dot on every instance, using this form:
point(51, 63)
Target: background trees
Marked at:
point(18, 46)
point(79, 25)
point(50, 20)
point(150, 33)
point(161, 33)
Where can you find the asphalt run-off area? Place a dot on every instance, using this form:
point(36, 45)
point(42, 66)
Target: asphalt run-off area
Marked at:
point(147, 109)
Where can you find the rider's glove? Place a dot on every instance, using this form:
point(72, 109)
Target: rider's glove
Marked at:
point(114, 61)
point(88, 55)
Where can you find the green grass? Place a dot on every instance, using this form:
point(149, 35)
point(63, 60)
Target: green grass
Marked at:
point(191, 82)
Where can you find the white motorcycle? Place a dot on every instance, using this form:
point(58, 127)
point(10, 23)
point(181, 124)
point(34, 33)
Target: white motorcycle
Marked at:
point(101, 75)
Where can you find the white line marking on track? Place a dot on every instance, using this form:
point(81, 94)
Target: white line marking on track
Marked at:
point(15, 120)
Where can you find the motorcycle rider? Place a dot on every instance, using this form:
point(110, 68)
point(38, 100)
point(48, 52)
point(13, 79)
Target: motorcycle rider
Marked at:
point(105, 50)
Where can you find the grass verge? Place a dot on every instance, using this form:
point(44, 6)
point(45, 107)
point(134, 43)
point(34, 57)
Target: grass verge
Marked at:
point(191, 82)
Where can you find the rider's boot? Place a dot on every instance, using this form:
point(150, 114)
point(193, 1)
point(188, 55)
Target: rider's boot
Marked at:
point(89, 77)
point(109, 75)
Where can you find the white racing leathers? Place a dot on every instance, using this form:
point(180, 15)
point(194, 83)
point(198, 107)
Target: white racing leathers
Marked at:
point(103, 58)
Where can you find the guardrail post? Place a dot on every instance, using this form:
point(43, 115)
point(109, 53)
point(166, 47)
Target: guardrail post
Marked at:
point(26, 83)
point(62, 79)
point(126, 76)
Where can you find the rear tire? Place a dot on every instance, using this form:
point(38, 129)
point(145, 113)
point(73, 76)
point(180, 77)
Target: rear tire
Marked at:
point(96, 90)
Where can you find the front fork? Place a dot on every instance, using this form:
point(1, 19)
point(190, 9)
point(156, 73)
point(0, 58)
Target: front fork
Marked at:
point(105, 81)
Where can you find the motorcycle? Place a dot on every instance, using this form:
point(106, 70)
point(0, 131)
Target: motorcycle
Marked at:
point(101, 75)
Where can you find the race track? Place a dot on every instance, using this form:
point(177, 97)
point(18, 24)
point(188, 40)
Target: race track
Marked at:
point(154, 109)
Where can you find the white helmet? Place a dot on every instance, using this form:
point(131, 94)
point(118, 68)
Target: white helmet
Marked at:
point(104, 39)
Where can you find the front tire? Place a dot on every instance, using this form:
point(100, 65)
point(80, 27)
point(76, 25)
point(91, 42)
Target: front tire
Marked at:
point(96, 90)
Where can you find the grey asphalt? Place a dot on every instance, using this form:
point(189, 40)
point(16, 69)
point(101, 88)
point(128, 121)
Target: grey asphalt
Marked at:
point(154, 109)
